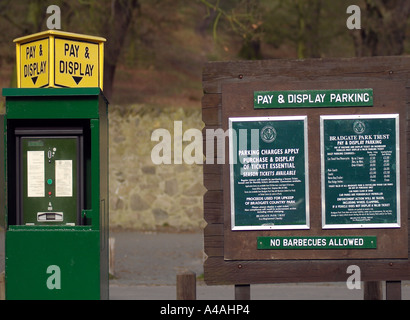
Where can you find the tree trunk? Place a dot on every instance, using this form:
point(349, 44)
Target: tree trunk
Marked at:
point(121, 17)
point(308, 42)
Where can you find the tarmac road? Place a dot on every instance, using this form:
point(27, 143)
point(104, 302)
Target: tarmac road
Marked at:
point(146, 265)
point(155, 258)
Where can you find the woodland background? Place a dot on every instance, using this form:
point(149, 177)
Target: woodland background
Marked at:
point(154, 55)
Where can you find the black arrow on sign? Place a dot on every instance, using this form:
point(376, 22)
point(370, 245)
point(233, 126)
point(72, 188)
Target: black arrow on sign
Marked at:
point(34, 79)
point(77, 79)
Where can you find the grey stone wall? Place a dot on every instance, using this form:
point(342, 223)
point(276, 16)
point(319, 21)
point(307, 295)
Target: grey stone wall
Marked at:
point(143, 195)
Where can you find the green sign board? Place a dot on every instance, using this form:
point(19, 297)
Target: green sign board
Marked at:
point(360, 171)
point(313, 98)
point(269, 173)
point(338, 242)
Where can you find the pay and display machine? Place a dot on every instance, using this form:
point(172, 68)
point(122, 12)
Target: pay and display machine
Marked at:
point(49, 176)
point(56, 213)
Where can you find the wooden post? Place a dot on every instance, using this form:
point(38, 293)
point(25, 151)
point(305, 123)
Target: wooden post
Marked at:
point(186, 286)
point(372, 290)
point(242, 292)
point(111, 256)
point(393, 290)
point(2, 286)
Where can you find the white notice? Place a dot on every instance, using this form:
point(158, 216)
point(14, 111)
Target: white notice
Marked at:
point(64, 178)
point(35, 174)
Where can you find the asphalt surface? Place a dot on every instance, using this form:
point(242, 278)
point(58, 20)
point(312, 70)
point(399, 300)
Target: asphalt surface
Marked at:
point(146, 265)
point(155, 258)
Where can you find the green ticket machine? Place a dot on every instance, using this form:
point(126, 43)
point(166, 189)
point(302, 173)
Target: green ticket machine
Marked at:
point(56, 193)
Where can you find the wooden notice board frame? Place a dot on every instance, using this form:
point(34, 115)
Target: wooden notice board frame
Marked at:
point(232, 255)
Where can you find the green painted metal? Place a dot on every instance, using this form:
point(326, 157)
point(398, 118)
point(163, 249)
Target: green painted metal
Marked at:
point(59, 262)
point(31, 252)
point(50, 92)
point(46, 103)
point(56, 108)
point(95, 171)
point(2, 176)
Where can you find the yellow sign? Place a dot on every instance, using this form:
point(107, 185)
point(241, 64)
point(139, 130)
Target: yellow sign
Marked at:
point(76, 63)
point(34, 64)
point(59, 59)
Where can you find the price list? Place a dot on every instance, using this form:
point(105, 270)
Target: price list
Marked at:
point(360, 171)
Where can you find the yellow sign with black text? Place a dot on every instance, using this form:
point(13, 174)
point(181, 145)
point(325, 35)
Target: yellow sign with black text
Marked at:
point(76, 63)
point(59, 59)
point(34, 71)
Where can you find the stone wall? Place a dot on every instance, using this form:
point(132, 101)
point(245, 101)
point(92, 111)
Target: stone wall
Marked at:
point(143, 195)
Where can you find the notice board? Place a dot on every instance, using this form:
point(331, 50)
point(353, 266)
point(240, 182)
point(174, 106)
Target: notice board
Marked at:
point(317, 173)
point(269, 187)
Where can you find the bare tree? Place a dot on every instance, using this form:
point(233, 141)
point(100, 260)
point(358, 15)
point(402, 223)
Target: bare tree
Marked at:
point(383, 28)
